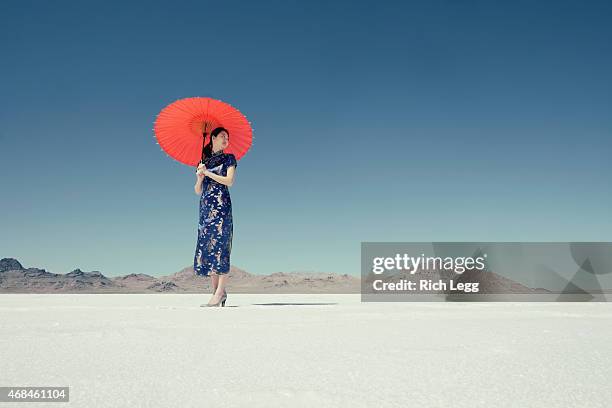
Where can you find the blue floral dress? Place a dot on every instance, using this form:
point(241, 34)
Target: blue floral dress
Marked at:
point(215, 227)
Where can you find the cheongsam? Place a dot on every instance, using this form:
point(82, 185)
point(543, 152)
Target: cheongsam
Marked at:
point(215, 227)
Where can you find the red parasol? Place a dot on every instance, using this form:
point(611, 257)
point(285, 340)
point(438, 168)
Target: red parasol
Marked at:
point(180, 127)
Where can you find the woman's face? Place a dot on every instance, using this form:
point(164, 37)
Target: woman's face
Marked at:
point(221, 141)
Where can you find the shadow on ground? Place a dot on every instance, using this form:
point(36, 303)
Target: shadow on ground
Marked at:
point(292, 304)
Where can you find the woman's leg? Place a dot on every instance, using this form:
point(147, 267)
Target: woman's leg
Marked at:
point(221, 287)
point(214, 281)
point(218, 282)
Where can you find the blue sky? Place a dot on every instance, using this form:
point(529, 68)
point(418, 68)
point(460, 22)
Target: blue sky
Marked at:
point(373, 121)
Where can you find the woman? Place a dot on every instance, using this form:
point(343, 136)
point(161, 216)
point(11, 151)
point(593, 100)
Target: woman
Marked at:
point(215, 229)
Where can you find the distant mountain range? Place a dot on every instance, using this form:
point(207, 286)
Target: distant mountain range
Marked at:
point(14, 278)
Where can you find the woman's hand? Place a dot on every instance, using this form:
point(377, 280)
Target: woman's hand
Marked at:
point(201, 170)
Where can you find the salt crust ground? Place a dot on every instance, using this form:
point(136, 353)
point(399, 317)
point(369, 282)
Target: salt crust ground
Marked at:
point(305, 351)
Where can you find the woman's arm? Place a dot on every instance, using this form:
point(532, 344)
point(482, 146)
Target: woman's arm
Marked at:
point(227, 180)
point(199, 179)
point(198, 185)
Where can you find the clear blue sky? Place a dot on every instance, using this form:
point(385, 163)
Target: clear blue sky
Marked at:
point(381, 121)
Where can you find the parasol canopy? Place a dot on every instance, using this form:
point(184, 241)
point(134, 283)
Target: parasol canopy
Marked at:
point(183, 128)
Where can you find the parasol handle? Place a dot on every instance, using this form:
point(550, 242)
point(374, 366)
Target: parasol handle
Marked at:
point(204, 133)
point(203, 146)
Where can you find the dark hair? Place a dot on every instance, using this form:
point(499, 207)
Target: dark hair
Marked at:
point(207, 150)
